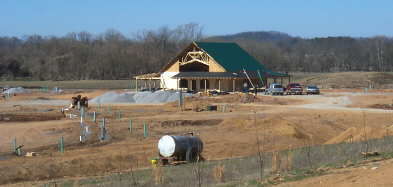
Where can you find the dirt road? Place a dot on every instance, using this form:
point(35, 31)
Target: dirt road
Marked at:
point(334, 101)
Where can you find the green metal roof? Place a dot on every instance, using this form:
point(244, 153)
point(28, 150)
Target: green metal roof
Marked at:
point(223, 75)
point(233, 58)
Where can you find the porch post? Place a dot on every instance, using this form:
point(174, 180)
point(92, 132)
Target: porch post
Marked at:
point(150, 84)
point(233, 85)
point(205, 85)
point(136, 84)
point(191, 85)
point(219, 85)
point(177, 84)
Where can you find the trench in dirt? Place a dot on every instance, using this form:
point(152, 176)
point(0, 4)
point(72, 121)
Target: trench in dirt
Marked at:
point(29, 117)
point(177, 123)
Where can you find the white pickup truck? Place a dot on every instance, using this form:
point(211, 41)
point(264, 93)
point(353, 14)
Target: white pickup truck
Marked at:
point(275, 89)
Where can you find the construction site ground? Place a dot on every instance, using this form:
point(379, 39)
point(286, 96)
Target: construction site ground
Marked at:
point(375, 173)
point(36, 122)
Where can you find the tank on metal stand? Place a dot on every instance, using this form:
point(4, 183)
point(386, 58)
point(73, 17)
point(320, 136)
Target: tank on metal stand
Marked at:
point(177, 149)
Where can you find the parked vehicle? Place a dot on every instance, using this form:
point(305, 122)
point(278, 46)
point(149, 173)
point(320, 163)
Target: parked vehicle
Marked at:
point(275, 89)
point(312, 90)
point(294, 88)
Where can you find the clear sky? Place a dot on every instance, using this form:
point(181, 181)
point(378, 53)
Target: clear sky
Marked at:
point(305, 18)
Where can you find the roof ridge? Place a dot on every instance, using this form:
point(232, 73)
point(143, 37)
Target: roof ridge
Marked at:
point(218, 42)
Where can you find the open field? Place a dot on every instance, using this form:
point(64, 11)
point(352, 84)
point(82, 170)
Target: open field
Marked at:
point(80, 84)
point(284, 122)
point(347, 80)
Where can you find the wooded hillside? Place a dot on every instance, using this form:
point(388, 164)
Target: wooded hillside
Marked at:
point(112, 55)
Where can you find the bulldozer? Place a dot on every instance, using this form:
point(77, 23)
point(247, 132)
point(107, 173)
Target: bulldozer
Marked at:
point(77, 103)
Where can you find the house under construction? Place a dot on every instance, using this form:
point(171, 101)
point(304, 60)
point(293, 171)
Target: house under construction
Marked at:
point(204, 66)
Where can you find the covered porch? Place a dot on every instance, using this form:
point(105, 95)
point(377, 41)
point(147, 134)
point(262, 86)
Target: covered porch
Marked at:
point(147, 82)
point(205, 81)
point(222, 81)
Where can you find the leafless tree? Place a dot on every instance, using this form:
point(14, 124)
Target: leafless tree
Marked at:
point(260, 147)
point(112, 55)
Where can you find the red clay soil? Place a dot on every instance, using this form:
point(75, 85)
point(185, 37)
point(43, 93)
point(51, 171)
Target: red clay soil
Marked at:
point(228, 134)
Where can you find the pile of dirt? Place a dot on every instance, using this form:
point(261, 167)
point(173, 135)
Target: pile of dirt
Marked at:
point(139, 97)
point(113, 97)
point(353, 134)
point(158, 97)
point(383, 106)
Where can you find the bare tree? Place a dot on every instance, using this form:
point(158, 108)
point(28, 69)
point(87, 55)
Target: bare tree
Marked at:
point(260, 147)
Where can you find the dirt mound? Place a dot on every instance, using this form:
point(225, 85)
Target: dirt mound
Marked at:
point(382, 106)
point(344, 136)
point(158, 97)
point(113, 97)
point(175, 123)
point(286, 129)
point(139, 97)
point(360, 134)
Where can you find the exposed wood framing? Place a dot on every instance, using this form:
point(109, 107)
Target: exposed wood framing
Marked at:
point(195, 56)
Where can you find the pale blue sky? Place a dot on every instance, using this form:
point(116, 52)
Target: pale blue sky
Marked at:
point(305, 18)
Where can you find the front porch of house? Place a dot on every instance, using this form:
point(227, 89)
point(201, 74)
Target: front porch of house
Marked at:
point(205, 81)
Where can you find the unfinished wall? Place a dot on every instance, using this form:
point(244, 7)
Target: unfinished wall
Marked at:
point(174, 67)
point(215, 67)
point(167, 82)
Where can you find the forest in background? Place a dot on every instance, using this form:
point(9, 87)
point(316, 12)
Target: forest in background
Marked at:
point(112, 55)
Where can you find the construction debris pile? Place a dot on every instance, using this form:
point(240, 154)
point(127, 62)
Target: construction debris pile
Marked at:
point(139, 97)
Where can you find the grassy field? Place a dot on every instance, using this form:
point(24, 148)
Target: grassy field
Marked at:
point(81, 84)
point(324, 80)
point(380, 80)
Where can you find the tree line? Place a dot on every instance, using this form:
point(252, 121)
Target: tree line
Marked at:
point(281, 52)
point(112, 55)
point(82, 55)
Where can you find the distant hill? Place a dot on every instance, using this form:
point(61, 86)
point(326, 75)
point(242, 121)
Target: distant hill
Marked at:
point(259, 36)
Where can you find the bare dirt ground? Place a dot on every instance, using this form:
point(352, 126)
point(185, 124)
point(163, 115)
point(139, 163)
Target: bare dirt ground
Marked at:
point(286, 121)
point(370, 174)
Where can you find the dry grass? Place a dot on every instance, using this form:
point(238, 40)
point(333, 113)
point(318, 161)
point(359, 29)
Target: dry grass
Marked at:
point(346, 79)
point(158, 175)
point(218, 173)
point(324, 80)
point(81, 84)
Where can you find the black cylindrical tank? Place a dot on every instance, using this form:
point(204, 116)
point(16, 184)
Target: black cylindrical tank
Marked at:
point(182, 147)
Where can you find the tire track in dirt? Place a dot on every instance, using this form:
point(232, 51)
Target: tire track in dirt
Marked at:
point(334, 102)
